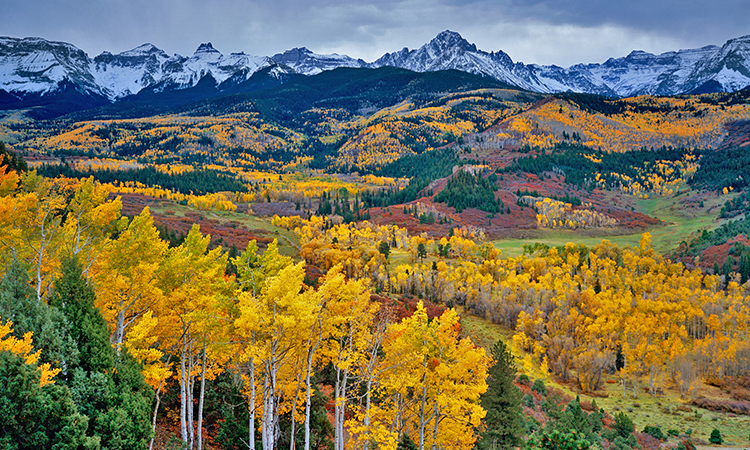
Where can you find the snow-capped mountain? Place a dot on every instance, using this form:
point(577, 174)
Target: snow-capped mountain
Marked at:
point(37, 66)
point(128, 72)
point(305, 62)
point(710, 68)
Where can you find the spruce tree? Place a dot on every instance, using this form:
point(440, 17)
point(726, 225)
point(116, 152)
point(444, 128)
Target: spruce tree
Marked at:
point(19, 304)
point(574, 419)
point(75, 298)
point(33, 416)
point(109, 389)
point(504, 420)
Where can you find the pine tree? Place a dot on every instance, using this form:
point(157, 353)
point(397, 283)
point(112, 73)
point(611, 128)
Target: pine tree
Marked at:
point(504, 420)
point(406, 443)
point(716, 437)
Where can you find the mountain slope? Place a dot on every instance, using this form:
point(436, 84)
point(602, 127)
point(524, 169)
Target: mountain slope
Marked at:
point(726, 68)
point(305, 62)
point(34, 71)
point(37, 66)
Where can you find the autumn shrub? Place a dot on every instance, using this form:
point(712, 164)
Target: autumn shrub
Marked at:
point(731, 406)
point(648, 442)
point(686, 444)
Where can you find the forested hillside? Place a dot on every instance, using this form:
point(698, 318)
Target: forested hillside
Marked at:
point(377, 259)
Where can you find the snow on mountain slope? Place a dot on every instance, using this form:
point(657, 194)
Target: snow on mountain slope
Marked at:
point(181, 72)
point(308, 63)
point(636, 74)
point(128, 72)
point(37, 66)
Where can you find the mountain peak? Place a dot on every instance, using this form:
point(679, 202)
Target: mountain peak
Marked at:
point(146, 48)
point(449, 36)
point(206, 47)
point(448, 39)
point(143, 50)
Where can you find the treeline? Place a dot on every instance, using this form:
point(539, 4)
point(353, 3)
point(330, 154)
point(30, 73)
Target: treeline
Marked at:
point(582, 164)
point(421, 169)
point(565, 198)
point(11, 160)
point(199, 181)
point(738, 205)
point(466, 190)
point(717, 236)
point(608, 106)
point(339, 205)
point(738, 258)
point(723, 169)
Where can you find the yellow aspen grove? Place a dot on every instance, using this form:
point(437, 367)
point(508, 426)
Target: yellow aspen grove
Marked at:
point(90, 220)
point(8, 179)
point(191, 282)
point(435, 391)
point(31, 227)
point(347, 319)
point(127, 274)
point(370, 370)
point(279, 319)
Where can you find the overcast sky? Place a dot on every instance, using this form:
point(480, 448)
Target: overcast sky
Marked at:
point(562, 32)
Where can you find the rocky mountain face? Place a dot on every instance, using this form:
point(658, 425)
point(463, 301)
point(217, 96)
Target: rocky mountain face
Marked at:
point(708, 69)
point(35, 67)
point(305, 62)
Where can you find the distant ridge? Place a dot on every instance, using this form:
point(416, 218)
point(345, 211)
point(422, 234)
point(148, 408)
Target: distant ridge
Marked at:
point(37, 71)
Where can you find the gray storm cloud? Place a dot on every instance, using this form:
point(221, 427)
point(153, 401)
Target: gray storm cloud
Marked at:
point(562, 32)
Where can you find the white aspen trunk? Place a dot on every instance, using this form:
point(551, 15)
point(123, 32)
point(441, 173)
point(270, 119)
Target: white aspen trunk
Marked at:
point(266, 412)
point(153, 421)
point(422, 410)
point(39, 269)
point(275, 428)
point(183, 395)
point(251, 424)
point(437, 422)
point(308, 412)
point(156, 408)
point(341, 409)
point(190, 391)
point(367, 412)
point(294, 411)
point(119, 331)
point(397, 419)
point(308, 393)
point(200, 400)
